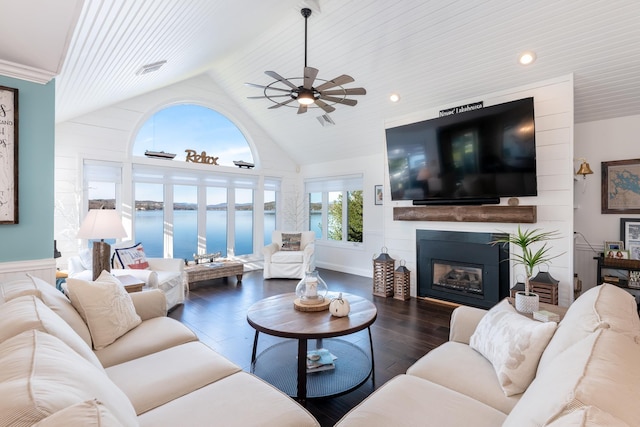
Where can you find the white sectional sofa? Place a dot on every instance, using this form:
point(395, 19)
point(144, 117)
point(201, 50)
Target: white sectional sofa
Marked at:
point(156, 373)
point(586, 372)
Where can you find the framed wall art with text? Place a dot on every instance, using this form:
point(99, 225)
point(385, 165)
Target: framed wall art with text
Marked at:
point(8, 155)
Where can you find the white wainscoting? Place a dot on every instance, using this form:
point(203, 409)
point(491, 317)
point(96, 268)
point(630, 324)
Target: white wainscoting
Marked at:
point(45, 269)
point(585, 265)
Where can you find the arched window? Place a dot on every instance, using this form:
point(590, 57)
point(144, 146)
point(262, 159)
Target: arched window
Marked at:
point(192, 127)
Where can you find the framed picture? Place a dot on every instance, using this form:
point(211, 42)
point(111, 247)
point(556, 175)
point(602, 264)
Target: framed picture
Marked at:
point(620, 192)
point(617, 254)
point(8, 155)
point(630, 235)
point(613, 246)
point(378, 194)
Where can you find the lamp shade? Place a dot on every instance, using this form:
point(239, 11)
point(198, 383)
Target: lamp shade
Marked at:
point(102, 224)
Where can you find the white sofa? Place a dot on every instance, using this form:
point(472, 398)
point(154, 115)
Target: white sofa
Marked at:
point(156, 374)
point(166, 274)
point(289, 264)
point(587, 375)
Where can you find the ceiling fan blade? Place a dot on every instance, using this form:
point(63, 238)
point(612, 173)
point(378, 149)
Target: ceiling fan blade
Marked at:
point(326, 107)
point(310, 74)
point(281, 104)
point(338, 81)
point(268, 97)
point(350, 102)
point(268, 87)
point(302, 109)
point(350, 91)
point(279, 78)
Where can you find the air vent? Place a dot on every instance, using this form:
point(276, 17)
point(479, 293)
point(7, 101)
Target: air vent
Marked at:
point(150, 68)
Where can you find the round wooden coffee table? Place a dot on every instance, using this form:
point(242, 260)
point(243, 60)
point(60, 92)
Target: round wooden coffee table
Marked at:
point(277, 316)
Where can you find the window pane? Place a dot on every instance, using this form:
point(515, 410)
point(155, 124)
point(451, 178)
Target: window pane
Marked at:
point(244, 221)
point(149, 218)
point(102, 195)
point(334, 216)
point(217, 220)
point(269, 215)
point(354, 216)
point(315, 213)
point(185, 221)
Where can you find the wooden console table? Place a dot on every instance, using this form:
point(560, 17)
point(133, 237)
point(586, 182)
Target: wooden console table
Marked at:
point(214, 270)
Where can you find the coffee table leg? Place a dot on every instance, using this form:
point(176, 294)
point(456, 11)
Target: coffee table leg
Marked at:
point(239, 277)
point(373, 366)
point(302, 371)
point(253, 352)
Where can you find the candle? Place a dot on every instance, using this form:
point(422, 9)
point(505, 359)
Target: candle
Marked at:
point(312, 289)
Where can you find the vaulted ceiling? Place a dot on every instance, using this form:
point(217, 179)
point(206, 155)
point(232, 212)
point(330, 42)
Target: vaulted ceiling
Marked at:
point(432, 53)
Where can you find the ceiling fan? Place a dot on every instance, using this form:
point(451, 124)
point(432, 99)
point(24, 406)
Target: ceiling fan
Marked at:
point(325, 95)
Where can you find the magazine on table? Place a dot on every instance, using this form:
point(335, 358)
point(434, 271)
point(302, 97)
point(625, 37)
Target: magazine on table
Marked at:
point(320, 360)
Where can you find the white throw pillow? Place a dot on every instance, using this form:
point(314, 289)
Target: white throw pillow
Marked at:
point(513, 343)
point(588, 416)
point(132, 258)
point(105, 306)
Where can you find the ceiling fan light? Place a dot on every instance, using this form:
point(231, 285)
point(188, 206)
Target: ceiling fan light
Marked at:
point(306, 98)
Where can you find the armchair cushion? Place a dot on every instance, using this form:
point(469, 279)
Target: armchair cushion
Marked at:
point(105, 306)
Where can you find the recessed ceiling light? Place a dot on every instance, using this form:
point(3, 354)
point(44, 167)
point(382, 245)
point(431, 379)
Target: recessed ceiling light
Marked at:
point(394, 97)
point(150, 68)
point(527, 58)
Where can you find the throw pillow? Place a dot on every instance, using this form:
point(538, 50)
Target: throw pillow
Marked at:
point(513, 344)
point(291, 242)
point(133, 257)
point(106, 307)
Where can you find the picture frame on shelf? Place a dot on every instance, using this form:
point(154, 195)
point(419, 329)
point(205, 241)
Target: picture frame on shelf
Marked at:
point(630, 236)
point(378, 194)
point(613, 245)
point(617, 254)
point(619, 197)
point(8, 155)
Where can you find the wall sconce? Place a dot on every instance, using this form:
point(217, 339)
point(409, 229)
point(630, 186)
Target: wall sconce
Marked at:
point(584, 169)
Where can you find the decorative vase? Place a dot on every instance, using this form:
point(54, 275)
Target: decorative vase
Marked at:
point(527, 303)
point(311, 289)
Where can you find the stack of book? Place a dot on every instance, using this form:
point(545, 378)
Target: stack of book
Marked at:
point(546, 316)
point(320, 360)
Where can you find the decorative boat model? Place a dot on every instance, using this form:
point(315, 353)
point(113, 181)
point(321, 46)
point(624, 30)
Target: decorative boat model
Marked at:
point(159, 155)
point(243, 164)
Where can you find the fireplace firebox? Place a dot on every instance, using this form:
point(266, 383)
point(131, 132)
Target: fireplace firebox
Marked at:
point(462, 267)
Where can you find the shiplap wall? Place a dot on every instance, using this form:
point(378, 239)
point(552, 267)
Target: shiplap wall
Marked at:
point(553, 104)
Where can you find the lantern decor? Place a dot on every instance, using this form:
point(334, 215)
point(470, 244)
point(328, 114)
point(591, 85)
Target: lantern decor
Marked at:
point(383, 274)
point(401, 282)
point(311, 293)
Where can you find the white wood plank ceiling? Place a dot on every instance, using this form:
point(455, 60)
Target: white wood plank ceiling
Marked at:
point(430, 52)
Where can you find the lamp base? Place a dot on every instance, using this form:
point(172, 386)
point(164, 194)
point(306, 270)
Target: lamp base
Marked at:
point(101, 258)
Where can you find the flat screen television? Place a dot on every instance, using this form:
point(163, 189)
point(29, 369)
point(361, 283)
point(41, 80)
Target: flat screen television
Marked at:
point(473, 157)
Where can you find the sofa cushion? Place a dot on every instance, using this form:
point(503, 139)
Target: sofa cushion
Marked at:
point(41, 375)
point(149, 337)
point(238, 400)
point(600, 370)
point(588, 416)
point(604, 306)
point(144, 379)
point(29, 312)
point(411, 401)
point(460, 368)
point(17, 288)
point(287, 257)
point(106, 307)
point(60, 304)
point(513, 343)
point(291, 241)
point(132, 257)
point(87, 414)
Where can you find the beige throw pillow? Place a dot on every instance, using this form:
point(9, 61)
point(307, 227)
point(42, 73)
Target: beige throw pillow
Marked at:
point(291, 241)
point(513, 343)
point(105, 306)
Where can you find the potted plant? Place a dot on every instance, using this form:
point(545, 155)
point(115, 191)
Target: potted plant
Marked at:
point(527, 301)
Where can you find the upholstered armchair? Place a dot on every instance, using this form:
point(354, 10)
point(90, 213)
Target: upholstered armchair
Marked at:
point(290, 254)
point(166, 274)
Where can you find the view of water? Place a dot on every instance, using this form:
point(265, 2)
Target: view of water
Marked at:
point(148, 230)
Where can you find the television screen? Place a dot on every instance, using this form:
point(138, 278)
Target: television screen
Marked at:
point(476, 156)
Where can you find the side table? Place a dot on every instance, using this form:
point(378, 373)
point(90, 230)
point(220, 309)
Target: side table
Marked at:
point(131, 283)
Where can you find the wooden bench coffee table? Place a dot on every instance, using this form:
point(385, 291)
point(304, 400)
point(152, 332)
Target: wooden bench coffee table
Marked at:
point(214, 270)
point(285, 367)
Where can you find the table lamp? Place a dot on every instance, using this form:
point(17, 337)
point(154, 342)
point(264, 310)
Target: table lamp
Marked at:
point(101, 224)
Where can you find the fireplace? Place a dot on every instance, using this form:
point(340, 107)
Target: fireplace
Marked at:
point(462, 267)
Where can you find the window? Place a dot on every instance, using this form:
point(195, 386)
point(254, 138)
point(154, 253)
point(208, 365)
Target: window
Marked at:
point(335, 205)
point(269, 215)
point(216, 234)
point(185, 221)
point(149, 218)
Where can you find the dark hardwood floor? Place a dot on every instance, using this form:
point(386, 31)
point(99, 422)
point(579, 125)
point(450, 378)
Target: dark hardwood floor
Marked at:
point(403, 332)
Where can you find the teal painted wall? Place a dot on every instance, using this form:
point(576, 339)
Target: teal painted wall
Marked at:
point(32, 237)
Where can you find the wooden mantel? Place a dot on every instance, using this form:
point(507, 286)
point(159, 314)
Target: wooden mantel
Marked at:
point(488, 213)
